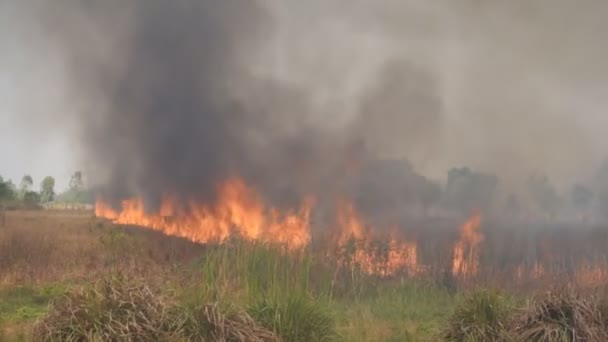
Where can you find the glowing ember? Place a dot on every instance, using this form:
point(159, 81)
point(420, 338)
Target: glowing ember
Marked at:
point(465, 260)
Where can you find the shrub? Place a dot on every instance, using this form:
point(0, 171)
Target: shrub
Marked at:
point(214, 325)
point(295, 317)
point(480, 316)
point(111, 310)
point(560, 316)
point(121, 310)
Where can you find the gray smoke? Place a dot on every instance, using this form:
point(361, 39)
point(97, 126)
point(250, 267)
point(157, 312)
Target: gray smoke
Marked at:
point(326, 97)
point(183, 108)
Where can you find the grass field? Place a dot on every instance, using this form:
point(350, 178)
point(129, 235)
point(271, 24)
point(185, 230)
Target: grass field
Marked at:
point(301, 296)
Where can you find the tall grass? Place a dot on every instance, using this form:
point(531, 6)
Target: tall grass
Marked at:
point(295, 317)
point(480, 316)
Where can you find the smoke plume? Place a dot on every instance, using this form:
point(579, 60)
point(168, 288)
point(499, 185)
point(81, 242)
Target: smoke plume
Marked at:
point(326, 97)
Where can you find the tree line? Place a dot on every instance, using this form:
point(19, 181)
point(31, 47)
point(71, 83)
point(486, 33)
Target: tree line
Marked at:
point(26, 195)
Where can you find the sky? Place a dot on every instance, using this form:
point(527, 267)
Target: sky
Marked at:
point(31, 91)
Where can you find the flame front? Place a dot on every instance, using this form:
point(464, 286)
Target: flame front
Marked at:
point(383, 259)
point(465, 261)
point(239, 211)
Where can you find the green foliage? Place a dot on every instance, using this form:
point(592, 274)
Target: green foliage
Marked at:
point(26, 303)
point(76, 196)
point(241, 270)
point(26, 185)
point(411, 310)
point(76, 181)
point(7, 191)
point(295, 317)
point(47, 189)
point(77, 193)
point(480, 316)
point(31, 199)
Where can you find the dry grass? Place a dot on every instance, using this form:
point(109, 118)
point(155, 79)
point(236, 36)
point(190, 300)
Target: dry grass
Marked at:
point(560, 316)
point(38, 247)
point(113, 310)
point(121, 310)
point(238, 326)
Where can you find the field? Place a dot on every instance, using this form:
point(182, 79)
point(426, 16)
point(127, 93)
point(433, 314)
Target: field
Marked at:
point(299, 296)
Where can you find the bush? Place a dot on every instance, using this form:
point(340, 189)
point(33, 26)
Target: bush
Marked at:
point(480, 316)
point(214, 325)
point(109, 311)
point(295, 318)
point(560, 316)
point(120, 310)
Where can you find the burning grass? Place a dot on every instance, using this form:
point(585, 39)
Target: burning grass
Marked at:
point(254, 287)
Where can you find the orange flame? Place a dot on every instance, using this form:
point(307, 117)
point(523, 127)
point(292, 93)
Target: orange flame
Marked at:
point(465, 260)
point(239, 211)
point(384, 260)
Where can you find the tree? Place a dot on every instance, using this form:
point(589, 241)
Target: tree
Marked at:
point(47, 189)
point(467, 190)
point(429, 194)
point(581, 198)
point(26, 185)
point(7, 191)
point(76, 182)
point(513, 206)
point(544, 194)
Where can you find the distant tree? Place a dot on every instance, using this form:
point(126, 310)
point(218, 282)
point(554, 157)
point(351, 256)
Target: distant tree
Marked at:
point(387, 187)
point(76, 181)
point(31, 198)
point(77, 192)
point(26, 185)
point(47, 189)
point(429, 194)
point(600, 184)
point(7, 191)
point(582, 197)
point(544, 194)
point(467, 190)
point(513, 205)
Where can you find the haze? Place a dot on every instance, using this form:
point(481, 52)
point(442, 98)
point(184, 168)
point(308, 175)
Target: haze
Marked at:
point(512, 88)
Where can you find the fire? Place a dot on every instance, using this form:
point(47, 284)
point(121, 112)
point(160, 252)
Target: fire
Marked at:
point(465, 260)
point(239, 211)
point(383, 259)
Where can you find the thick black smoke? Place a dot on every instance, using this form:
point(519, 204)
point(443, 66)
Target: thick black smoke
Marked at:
point(183, 108)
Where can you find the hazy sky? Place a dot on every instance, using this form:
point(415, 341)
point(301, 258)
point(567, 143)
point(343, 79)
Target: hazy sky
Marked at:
point(31, 93)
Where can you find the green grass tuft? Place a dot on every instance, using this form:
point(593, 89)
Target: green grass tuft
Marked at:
point(295, 318)
point(480, 316)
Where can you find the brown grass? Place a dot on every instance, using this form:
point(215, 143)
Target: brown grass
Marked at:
point(118, 309)
point(39, 247)
point(560, 316)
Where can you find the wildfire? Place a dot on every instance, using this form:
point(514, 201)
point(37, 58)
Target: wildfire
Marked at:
point(239, 211)
point(465, 260)
point(371, 255)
